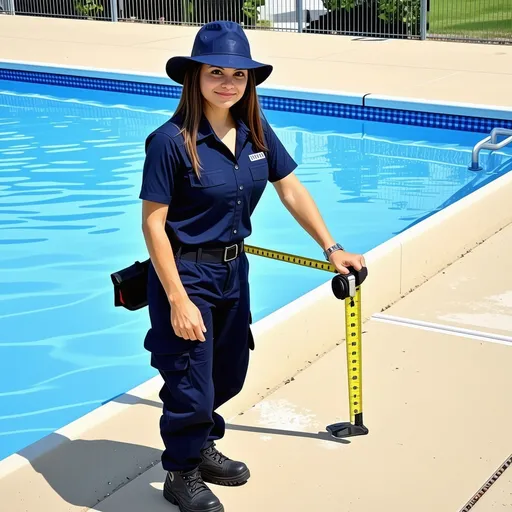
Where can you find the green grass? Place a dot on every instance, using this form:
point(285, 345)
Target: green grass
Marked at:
point(474, 19)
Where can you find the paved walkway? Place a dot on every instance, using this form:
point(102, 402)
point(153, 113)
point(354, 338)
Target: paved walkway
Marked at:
point(441, 71)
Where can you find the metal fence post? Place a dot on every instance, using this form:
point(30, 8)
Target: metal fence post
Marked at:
point(423, 19)
point(300, 14)
point(10, 7)
point(113, 10)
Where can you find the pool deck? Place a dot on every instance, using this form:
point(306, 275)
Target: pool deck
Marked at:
point(435, 401)
point(431, 70)
point(428, 397)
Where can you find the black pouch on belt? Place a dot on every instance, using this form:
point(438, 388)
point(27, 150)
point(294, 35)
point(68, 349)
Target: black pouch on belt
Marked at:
point(130, 286)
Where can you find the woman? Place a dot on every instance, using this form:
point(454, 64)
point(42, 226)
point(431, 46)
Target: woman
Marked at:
point(204, 172)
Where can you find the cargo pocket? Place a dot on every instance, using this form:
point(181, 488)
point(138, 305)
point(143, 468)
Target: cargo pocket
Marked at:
point(171, 362)
point(175, 370)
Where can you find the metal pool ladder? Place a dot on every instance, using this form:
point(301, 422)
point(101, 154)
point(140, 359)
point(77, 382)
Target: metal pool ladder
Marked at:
point(490, 143)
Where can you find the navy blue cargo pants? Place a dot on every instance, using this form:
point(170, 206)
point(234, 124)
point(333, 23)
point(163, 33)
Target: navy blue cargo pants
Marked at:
point(199, 376)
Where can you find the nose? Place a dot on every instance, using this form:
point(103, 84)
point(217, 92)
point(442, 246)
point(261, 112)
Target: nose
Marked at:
point(228, 82)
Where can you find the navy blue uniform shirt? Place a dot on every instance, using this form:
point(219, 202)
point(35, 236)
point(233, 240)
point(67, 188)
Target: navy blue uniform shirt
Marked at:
point(215, 209)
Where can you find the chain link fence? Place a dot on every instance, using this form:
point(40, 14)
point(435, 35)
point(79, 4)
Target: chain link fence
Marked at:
point(471, 20)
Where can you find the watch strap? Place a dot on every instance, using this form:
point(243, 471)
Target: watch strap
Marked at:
point(333, 248)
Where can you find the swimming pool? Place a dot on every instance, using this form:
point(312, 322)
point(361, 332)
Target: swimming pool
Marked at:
point(69, 215)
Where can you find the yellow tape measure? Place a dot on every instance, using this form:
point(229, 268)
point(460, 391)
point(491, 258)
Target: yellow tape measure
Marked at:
point(348, 288)
point(290, 258)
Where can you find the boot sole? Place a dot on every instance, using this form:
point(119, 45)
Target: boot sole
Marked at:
point(171, 499)
point(227, 481)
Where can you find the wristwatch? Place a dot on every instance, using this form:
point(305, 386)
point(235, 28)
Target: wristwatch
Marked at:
point(333, 248)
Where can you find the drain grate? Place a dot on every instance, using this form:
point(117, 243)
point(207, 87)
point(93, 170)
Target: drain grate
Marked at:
point(478, 495)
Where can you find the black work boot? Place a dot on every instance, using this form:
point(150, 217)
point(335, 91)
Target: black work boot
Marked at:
point(187, 490)
point(216, 468)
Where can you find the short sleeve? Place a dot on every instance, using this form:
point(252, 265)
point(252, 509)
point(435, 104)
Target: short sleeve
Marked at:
point(280, 161)
point(159, 167)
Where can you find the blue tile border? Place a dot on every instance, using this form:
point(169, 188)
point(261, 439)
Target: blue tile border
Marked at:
point(104, 84)
point(303, 106)
point(438, 107)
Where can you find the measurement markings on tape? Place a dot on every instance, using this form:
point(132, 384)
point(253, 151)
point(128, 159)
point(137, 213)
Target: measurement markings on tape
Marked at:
point(347, 288)
point(353, 345)
point(290, 258)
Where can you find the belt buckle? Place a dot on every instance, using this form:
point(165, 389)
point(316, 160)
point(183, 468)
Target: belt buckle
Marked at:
point(226, 259)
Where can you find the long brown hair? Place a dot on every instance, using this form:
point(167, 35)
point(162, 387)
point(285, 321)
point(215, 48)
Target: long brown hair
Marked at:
point(190, 108)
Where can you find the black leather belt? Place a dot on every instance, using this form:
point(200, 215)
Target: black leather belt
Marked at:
point(210, 254)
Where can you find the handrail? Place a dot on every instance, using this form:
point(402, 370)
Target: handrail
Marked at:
point(490, 143)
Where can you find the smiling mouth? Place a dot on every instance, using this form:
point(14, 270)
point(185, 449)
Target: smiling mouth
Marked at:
point(226, 94)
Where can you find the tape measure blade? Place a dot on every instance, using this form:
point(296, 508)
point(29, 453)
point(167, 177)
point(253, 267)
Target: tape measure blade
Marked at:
point(353, 348)
point(290, 258)
point(353, 342)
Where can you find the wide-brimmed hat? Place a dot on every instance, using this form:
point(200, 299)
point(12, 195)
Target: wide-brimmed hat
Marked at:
point(223, 44)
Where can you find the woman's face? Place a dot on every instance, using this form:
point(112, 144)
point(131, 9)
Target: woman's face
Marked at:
point(222, 87)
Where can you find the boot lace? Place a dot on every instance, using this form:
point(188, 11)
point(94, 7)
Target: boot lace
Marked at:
point(195, 482)
point(215, 455)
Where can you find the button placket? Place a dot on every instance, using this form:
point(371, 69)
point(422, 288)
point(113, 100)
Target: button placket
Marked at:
point(238, 208)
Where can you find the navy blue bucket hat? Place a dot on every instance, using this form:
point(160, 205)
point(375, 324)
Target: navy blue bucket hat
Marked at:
point(223, 44)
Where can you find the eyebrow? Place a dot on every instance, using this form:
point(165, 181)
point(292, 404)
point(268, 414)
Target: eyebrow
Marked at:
point(220, 67)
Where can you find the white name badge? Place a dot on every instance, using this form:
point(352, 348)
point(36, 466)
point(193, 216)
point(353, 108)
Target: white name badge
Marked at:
point(256, 156)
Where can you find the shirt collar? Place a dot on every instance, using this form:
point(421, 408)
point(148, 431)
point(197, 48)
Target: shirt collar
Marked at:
point(204, 130)
point(242, 128)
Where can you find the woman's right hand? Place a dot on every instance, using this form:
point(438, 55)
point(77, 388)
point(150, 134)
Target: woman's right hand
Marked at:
point(186, 320)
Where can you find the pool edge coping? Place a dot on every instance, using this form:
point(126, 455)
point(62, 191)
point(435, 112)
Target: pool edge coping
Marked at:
point(363, 99)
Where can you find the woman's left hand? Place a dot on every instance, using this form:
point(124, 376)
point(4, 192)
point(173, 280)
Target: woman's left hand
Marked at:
point(342, 259)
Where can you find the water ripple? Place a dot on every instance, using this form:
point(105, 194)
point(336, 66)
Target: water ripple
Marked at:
point(28, 430)
point(51, 308)
point(26, 391)
point(16, 241)
point(50, 409)
point(67, 150)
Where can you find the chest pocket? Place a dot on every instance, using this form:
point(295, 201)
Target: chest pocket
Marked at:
point(208, 179)
point(259, 170)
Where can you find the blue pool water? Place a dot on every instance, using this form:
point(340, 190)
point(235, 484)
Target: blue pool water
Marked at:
point(70, 163)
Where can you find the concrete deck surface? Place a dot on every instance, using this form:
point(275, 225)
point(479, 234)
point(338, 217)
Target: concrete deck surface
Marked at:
point(441, 71)
point(425, 451)
point(436, 404)
point(472, 300)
